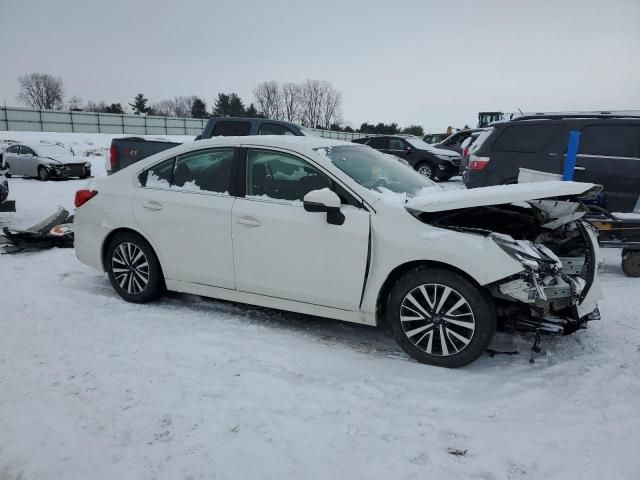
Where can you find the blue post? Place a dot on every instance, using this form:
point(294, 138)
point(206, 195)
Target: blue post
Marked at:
point(572, 153)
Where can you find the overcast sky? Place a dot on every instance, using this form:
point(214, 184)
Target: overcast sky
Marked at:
point(424, 62)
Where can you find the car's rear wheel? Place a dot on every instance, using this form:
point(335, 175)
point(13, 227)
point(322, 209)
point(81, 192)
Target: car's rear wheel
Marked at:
point(43, 173)
point(631, 262)
point(133, 268)
point(426, 169)
point(440, 318)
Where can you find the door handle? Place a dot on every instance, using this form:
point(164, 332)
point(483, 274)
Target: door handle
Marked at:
point(248, 221)
point(151, 205)
point(578, 168)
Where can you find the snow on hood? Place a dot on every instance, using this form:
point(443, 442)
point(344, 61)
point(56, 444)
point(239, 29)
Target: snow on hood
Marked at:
point(438, 200)
point(64, 160)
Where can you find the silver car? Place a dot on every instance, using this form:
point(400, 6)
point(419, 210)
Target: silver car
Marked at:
point(44, 161)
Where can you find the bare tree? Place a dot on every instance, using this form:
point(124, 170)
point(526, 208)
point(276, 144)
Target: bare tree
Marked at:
point(269, 100)
point(41, 90)
point(175, 107)
point(331, 107)
point(313, 94)
point(291, 101)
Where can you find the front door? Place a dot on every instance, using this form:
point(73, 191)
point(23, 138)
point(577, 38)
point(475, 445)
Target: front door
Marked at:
point(184, 205)
point(11, 158)
point(283, 251)
point(28, 161)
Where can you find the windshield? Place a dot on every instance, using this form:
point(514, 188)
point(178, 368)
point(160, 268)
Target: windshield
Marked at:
point(53, 151)
point(375, 170)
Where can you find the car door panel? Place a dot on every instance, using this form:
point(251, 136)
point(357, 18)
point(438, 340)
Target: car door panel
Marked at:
point(190, 222)
point(281, 250)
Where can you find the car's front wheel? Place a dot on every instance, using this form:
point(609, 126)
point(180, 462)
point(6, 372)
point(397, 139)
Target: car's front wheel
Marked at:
point(133, 268)
point(43, 173)
point(440, 317)
point(426, 169)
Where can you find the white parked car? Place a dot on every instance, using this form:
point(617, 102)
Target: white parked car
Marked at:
point(44, 161)
point(340, 230)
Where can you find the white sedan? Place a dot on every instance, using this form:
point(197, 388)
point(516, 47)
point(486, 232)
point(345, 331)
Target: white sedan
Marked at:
point(342, 231)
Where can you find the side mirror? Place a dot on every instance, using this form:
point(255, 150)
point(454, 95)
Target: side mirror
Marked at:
point(324, 200)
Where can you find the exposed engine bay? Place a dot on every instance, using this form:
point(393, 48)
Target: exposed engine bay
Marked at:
point(555, 292)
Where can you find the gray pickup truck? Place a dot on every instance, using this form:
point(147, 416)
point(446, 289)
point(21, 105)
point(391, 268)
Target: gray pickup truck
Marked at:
point(127, 151)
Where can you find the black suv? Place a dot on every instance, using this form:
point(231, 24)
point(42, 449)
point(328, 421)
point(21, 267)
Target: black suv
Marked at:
point(434, 163)
point(608, 154)
point(454, 141)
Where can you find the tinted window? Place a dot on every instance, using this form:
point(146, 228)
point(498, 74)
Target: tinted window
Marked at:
point(281, 176)
point(207, 171)
point(396, 144)
point(378, 143)
point(231, 129)
point(274, 129)
point(26, 151)
point(526, 138)
point(611, 140)
point(12, 149)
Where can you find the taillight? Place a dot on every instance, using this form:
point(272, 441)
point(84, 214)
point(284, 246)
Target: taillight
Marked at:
point(113, 157)
point(478, 163)
point(83, 196)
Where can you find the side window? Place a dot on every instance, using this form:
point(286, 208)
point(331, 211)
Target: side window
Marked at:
point(26, 151)
point(281, 176)
point(207, 171)
point(12, 149)
point(526, 138)
point(396, 144)
point(231, 129)
point(379, 143)
point(159, 175)
point(611, 140)
point(274, 129)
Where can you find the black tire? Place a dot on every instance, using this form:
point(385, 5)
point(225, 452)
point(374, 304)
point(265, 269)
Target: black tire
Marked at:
point(631, 262)
point(454, 353)
point(7, 174)
point(43, 173)
point(126, 284)
point(427, 169)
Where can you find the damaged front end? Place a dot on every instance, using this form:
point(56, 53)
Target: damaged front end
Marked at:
point(557, 290)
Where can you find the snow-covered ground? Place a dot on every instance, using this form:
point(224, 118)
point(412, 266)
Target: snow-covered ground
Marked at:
point(93, 387)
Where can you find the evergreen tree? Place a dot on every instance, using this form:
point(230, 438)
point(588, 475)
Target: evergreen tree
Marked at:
point(221, 107)
point(198, 108)
point(416, 130)
point(114, 108)
point(236, 107)
point(251, 111)
point(139, 105)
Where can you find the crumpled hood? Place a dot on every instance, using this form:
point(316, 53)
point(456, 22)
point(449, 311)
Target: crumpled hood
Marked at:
point(439, 201)
point(64, 160)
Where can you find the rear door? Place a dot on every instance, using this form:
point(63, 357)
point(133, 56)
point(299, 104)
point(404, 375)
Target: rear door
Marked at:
point(536, 146)
point(379, 143)
point(184, 207)
point(609, 154)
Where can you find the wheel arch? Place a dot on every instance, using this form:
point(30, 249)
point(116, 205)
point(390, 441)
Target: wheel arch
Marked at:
point(107, 240)
point(400, 270)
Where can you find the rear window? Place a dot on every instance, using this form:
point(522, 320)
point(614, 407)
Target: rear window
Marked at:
point(526, 138)
point(611, 140)
point(231, 129)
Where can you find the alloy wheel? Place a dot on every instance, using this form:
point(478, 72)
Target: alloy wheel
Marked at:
point(437, 319)
point(425, 170)
point(130, 268)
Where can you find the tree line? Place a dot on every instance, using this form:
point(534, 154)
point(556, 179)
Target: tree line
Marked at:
point(312, 103)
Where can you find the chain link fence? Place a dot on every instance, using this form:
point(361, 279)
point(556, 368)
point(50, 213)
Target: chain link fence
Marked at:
point(29, 120)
